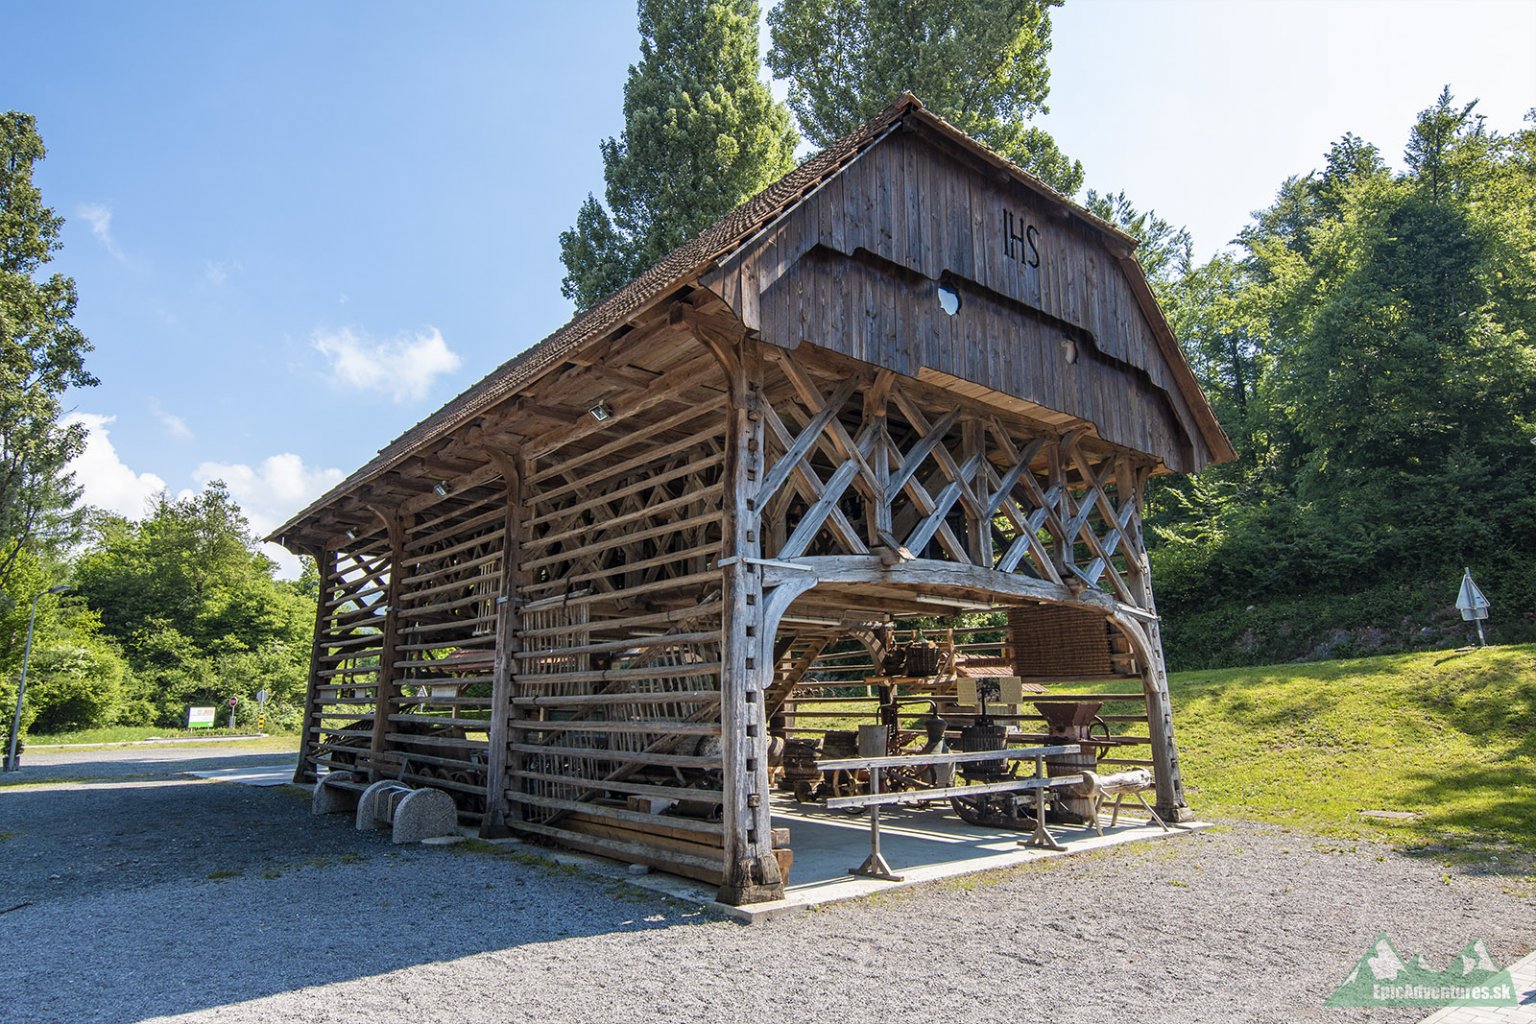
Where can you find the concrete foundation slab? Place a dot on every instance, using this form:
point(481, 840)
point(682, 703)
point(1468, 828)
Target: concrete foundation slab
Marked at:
point(922, 845)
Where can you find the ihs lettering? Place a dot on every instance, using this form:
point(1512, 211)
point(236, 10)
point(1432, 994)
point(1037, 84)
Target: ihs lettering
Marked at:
point(1026, 247)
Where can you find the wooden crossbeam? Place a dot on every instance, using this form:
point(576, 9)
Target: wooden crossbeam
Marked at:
point(819, 513)
point(923, 502)
point(952, 492)
point(816, 491)
point(918, 453)
point(835, 440)
point(1104, 549)
point(946, 462)
point(780, 473)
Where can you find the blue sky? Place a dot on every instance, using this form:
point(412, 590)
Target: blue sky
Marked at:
point(299, 228)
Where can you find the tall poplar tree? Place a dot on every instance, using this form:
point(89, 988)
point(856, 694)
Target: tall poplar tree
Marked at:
point(701, 134)
point(979, 64)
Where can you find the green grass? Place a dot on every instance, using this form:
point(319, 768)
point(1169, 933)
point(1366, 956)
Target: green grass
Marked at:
point(1447, 735)
point(126, 734)
point(102, 739)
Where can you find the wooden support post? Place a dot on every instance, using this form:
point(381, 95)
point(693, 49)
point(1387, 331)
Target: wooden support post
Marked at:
point(1167, 775)
point(875, 865)
point(751, 870)
point(1041, 837)
point(385, 688)
point(508, 628)
point(304, 771)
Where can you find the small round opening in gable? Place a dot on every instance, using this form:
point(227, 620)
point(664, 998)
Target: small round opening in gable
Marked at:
point(949, 299)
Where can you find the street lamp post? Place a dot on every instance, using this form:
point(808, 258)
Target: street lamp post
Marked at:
point(12, 763)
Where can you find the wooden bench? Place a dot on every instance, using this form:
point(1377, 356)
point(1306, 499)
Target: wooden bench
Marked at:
point(875, 865)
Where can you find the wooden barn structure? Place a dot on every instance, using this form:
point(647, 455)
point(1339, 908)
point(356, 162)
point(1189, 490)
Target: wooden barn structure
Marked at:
point(906, 379)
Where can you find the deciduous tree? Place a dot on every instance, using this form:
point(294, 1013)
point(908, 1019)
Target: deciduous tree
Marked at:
point(194, 604)
point(1372, 352)
point(42, 353)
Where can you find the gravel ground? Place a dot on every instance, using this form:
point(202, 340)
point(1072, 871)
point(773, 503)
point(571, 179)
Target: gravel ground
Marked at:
point(306, 920)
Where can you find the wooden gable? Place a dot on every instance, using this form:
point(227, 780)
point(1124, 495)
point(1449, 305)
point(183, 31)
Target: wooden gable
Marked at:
point(1050, 323)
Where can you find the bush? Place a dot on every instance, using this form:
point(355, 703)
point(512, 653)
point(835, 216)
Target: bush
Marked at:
point(74, 686)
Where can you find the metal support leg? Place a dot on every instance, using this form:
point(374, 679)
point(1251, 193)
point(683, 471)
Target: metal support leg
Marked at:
point(1040, 837)
point(874, 865)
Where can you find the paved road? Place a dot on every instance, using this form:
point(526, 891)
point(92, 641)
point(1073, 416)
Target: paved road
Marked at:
point(144, 759)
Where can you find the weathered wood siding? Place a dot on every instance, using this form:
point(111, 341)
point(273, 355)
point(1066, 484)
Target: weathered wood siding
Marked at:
point(1047, 316)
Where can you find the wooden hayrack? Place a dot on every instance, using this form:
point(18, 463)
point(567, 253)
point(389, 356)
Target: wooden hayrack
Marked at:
point(581, 596)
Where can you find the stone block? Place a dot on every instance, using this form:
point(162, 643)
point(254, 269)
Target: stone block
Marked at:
point(424, 814)
point(330, 798)
point(373, 805)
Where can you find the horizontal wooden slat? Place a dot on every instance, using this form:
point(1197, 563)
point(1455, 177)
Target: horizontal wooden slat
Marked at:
point(616, 756)
point(433, 741)
point(626, 728)
point(707, 796)
point(590, 699)
point(639, 642)
point(469, 723)
point(675, 862)
point(661, 530)
point(954, 757)
point(620, 675)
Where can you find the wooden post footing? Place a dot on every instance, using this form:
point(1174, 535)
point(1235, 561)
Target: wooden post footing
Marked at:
point(756, 882)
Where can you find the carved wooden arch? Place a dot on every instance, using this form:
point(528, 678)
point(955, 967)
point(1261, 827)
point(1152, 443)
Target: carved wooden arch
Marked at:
point(922, 575)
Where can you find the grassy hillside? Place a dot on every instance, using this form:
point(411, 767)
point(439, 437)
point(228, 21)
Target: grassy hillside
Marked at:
point(1447, 735)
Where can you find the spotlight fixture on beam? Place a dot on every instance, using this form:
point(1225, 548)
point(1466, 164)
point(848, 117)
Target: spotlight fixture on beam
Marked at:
point(440, 488)
point(602, 412)
point(351, 535)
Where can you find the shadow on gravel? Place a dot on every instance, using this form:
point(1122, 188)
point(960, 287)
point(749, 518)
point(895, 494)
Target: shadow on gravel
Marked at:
point(170, 895)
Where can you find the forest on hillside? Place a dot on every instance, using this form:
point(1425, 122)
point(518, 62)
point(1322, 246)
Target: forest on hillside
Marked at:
point(1368, 345)
point(1368, 341)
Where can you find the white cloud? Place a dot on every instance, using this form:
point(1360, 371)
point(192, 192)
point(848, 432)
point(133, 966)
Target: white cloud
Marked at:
point(99, 217)
point(270, 493)
point(216, 272)
point(174, 425)
point(107, 482)
point(404, 368)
